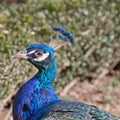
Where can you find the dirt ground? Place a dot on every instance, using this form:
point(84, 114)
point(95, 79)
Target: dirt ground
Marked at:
point(99, 93)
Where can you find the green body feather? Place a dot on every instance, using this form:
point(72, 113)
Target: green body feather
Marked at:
point(66, 110)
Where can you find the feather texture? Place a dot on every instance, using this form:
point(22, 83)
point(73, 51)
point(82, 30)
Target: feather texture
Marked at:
point(66, 110)
point(62, 37)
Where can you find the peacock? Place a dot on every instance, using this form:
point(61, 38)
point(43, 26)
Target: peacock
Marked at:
point(37, 100)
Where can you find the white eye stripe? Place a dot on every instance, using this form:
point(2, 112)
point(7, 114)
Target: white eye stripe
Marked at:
point(31, 52)
point(41, 58)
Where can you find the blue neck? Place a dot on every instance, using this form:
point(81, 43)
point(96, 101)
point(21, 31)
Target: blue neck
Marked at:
point(47, 75)
point(35, 97)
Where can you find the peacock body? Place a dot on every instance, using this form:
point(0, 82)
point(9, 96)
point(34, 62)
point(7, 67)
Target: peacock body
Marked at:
point(37, 100)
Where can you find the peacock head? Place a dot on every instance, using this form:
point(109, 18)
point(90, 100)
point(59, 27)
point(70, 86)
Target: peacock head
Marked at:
point(42, 55)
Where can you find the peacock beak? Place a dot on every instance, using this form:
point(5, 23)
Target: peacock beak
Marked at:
point(21, 54)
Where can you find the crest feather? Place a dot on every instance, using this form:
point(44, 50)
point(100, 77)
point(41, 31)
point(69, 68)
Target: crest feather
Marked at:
point(61, 38)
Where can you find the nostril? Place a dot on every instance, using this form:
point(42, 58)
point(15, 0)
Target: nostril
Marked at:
point(23, 52)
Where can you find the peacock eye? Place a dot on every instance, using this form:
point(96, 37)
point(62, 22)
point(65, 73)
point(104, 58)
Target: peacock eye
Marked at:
point(38, 53)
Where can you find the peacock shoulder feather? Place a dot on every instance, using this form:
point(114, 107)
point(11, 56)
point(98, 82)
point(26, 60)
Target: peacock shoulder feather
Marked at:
point(67, 110)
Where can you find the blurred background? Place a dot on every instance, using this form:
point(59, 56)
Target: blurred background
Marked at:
point(88, 71)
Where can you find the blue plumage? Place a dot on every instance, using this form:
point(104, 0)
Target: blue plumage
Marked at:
point(63, 37)
point(38, 91)
point(37, 100)
point(65, 33)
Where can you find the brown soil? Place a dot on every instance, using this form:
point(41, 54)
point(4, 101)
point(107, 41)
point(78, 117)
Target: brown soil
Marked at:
point(100, 93)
